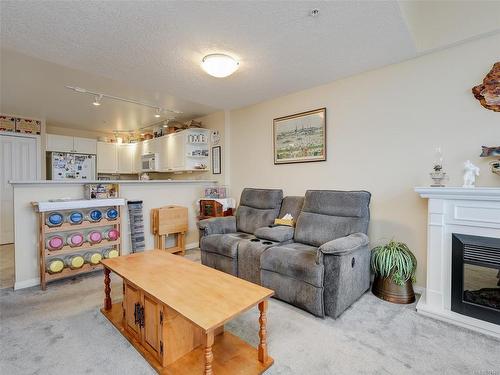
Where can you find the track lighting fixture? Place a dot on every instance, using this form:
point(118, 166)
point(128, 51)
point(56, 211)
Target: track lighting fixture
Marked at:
point(97, 100)
point(98, 96)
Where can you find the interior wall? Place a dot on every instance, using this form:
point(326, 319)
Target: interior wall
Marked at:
point(72, 132)
point(382, 129)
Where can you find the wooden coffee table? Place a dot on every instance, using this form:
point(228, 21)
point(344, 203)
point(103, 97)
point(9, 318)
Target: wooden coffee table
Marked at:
point(174, 310)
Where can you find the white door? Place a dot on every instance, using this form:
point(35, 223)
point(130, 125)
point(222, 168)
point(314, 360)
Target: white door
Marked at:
point(60, 143)
point(85, 145)
point(19, 161)
point(106, 157)
point(163, 153)
point(176, 156)
point(127, 157)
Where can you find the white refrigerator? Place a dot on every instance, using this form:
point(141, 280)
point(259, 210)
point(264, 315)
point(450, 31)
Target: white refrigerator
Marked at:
point(68, 166)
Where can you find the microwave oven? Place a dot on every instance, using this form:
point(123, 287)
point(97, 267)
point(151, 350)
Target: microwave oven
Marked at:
point(149, 162)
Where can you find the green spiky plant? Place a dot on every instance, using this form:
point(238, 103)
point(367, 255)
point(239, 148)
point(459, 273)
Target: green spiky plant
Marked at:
point(394, 260)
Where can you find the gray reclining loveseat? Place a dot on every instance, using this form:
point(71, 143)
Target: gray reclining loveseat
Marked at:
point(220, 236)
point(327, 266)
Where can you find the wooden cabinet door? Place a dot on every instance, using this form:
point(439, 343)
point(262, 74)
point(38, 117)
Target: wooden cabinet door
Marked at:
point(131, 298)
point(151, 332)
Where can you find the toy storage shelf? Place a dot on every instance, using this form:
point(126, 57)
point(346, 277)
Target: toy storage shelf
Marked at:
point(66, 250)
point(65, 207)
point(84, 225)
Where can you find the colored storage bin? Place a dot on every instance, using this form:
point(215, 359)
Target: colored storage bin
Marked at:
point(95, 215)
point(55, 242)
point(75, 217)
point(75, 239)
point(74, 261)
point(94, 237)
point(54, 219)
point(93, 258)
point(55, 265)
point(110, 253)
point(112, 234)
point(111, 214)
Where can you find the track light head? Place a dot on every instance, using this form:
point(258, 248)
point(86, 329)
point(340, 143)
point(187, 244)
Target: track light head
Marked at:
point(97, 100)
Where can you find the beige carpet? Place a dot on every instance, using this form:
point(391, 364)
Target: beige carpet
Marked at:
point(61, 331)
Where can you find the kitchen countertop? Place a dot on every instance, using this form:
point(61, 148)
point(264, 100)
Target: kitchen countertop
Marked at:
point(122, 182)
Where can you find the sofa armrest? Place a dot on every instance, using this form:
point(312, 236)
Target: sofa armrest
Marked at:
point(218, 225)
point(279, 233)
point(342, 245)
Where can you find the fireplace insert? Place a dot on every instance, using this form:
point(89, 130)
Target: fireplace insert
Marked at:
point(475, 277)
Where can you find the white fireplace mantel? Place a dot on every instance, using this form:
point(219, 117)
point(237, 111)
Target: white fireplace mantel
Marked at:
point(472, 211)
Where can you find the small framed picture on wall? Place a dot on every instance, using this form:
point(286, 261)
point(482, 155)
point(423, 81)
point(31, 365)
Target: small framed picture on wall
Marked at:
point(216, 160)
point(300, 138)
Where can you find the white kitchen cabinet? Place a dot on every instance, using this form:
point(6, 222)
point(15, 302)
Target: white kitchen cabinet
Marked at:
point(163, 153)
point(60, 143)
point(175, 151)
point(127, 157)
point(107, 157)
point(64, 143)
point(85, 145)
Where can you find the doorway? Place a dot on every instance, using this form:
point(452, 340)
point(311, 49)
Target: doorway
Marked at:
point(19, 161)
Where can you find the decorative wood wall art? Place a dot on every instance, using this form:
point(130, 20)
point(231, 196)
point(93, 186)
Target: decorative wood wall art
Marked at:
point(488, 93)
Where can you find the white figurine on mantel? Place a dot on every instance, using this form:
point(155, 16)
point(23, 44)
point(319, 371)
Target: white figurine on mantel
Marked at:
point(471, 171)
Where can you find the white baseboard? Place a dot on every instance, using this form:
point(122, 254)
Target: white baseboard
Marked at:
point(192, 245)
point(26, 283)
point(419, 289)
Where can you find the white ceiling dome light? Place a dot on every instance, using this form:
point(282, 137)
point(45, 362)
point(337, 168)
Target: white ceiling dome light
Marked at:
point(219, 65)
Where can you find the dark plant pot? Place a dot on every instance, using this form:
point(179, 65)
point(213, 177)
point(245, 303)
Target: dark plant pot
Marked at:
point(386, 289)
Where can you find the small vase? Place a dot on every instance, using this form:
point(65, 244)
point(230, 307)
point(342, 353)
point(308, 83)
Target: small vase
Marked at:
point(386, 289)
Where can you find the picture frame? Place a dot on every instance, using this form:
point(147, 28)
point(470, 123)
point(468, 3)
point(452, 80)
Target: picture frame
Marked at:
point(216, 160)
point(300, 138)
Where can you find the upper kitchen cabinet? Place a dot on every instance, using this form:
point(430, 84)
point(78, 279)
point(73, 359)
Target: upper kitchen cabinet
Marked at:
point(107, 158)
point(163, 153)
point(85, 145)
point(127, 155)
point(175, 151)
point(63, 143)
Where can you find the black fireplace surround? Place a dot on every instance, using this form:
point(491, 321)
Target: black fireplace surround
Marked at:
point(481, 254)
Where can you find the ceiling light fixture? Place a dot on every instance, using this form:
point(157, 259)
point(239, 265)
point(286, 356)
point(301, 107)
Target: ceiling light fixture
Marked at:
point(98, 96)
point(97, 100)
point(219, 65)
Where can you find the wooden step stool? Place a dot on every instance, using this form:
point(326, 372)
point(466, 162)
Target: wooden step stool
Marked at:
point(170, 220)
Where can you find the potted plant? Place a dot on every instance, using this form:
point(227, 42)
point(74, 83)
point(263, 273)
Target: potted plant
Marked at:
point(394, 266)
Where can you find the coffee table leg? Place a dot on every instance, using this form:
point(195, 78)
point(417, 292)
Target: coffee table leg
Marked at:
point(209, 356)
point(107, 289)
point(263, 332)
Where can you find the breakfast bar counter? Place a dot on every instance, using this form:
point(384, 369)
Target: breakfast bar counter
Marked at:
point(153, 193)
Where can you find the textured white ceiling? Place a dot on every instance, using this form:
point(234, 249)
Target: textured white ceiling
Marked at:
point(158, 44)
point(156, 47)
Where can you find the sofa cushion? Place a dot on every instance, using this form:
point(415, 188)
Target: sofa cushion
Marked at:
point(279, 233)
point(261, 198)
point(223, 244)
point(294, 260)
point(258, 208)
point(328, 214)
point(291, 205)
point(249, 219)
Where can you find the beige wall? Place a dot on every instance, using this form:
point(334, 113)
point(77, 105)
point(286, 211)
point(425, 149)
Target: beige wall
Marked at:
point(76, 132)
point(382, 129)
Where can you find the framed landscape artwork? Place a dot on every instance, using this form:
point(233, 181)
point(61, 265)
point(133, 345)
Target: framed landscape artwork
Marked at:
point(300, 138)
